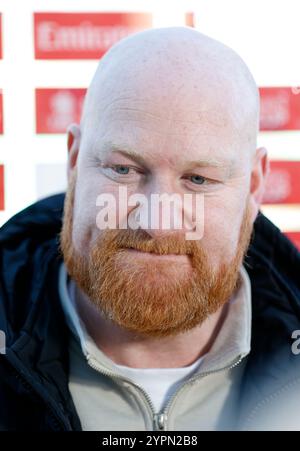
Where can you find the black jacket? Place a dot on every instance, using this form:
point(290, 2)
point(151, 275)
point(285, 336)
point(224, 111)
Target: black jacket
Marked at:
point(34, 392)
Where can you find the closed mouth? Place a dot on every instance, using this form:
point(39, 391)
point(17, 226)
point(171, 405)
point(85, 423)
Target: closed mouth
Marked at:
point(155, 254)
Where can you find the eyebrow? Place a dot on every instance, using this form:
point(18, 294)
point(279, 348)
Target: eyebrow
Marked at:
point(132, 155)
point(209, 162)
point(129, 153)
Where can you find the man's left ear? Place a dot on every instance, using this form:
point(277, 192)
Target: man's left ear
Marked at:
point(73, 143)
point(260, 170)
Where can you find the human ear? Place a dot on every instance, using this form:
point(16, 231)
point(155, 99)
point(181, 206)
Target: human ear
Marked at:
point(259, 173)
point(73, 145)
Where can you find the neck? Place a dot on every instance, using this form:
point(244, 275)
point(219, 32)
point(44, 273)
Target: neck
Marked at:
point(126, 348)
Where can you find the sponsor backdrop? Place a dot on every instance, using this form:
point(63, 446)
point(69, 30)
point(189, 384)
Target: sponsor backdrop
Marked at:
point(49, 52)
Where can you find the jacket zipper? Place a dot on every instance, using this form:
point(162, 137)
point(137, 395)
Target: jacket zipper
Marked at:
point(166, 411)
point(159, 420)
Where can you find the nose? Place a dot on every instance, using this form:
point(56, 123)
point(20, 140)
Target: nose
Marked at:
point(162, 211)
point(165, 214)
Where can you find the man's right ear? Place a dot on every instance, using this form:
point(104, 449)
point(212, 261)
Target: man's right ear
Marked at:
point(74, 136)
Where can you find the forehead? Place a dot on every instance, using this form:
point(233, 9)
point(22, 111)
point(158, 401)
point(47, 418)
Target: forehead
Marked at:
point(187, 116)
point(162, 128)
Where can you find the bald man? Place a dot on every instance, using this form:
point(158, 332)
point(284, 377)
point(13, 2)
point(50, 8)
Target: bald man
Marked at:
point(115, 320)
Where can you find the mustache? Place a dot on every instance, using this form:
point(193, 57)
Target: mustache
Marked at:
point(141, 240)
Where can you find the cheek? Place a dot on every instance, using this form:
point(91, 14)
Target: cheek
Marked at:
point(83, 226)
point(222, 224)
point(92, 196)
point(85, 213)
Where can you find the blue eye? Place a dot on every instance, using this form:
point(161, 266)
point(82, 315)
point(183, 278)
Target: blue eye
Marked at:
point(122, 170)
point(197, 179)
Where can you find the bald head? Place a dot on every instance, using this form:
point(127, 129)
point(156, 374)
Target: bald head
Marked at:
point(180, 75)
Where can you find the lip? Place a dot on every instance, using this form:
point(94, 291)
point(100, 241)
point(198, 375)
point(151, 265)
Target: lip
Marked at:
point(153, 256)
